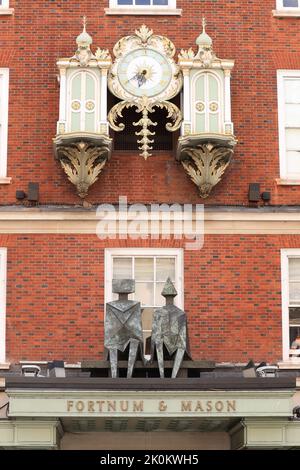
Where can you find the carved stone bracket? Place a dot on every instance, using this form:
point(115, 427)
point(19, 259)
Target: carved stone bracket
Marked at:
point(205, 160)
point(82, 158)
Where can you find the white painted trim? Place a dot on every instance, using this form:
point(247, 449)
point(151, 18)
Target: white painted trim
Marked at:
point(147, 252)
point(285, 255)
point(4, 4)
point(281, 8)
point(6, 11)
point(286, 13)
point(3, 274)
point(4, 89)
point(227, 98)
point(116, 9)
point(287, 182)
point(157, 11)
point(251, 222)
point(281, 76)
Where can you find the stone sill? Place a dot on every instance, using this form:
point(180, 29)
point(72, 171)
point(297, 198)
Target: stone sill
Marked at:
point(143, 11)
point(287, 182)
point(286, 13)
point(5, 180)
point(5, 366)
point(289, 365)
point(6, 11)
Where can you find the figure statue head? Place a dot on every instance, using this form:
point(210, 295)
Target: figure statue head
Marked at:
point(169, 292)
point(123, 287)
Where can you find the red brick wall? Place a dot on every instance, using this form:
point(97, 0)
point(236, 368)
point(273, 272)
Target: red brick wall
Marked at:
point(40, 32)
point(232, 294)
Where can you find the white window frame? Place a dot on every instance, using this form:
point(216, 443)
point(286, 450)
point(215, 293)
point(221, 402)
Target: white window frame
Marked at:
point(3, 280)
point(4, 4)
point(285, 255)
point(4, 74)
point(116, 9)
point(282, 11)
point(281, 75)
point(280, 6)
point(145, 252)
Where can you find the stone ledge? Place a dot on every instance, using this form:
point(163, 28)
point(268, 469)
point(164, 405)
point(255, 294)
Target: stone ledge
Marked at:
point(5, 180)
point(7, 11)
point(143, 11)
point(286, 13)
point(286, 181)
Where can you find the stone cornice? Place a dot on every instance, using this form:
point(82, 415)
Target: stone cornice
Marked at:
point(235, 220)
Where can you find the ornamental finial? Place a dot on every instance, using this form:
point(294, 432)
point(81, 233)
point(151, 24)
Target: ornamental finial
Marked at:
point(204, 24)
point(84, 22)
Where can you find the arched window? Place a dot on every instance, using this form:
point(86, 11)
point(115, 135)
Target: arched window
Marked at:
point(83, 104)
point(207, 99)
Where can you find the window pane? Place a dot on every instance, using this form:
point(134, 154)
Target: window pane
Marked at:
point(199, 89)
point(144, 293)
point(292, 139)
point(290, 3)
point(294, 293)
point(125, 2)
point(292, 115)
point(165, 267)
point(147, 315)
point(144, 269)
point(142, 2)
point(122, 268)
point(160, 2)
point(295, 316)
point(292, 90)
point(293, 162)
point(294, 269)
point(213, 88)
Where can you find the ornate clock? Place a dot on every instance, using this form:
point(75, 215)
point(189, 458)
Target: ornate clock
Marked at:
point(145, 75)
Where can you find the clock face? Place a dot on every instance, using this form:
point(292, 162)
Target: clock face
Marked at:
point(144, 72)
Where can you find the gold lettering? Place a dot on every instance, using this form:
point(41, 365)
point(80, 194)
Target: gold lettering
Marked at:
point(124, 405)
point(162, 406)
point(111, 405)
point(70, 404)
point(100, 404)
point(186, 406)
point(231, 405)
point(219, 406)
point(91, 406)
point(138, 406)
point(209, 405)
point(79, 406)
point(199, 406)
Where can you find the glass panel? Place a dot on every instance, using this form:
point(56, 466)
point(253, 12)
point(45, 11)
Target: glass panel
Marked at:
point(200, 123)
point(293, 162)
point(90, 87)
point(295, 316)
point(159, 299)
point(199, 88)
point(90, 122)
point(144, 292)
point(295, 340)
point(214, 123)
point(213, 88)
point(144, 269)
point(292, 90)
point(76, 87)
point(75, 122)
point(122, 268)
point(290, 3)
point(294, 293)
point(292, 139)
point(292, 115)
point(294, 269)
point(147, 315)
point(125, 2)
point(142, 2)
point(160, 2)
point(165, 267)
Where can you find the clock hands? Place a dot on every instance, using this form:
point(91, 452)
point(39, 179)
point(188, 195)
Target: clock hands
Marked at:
point(140, 77)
